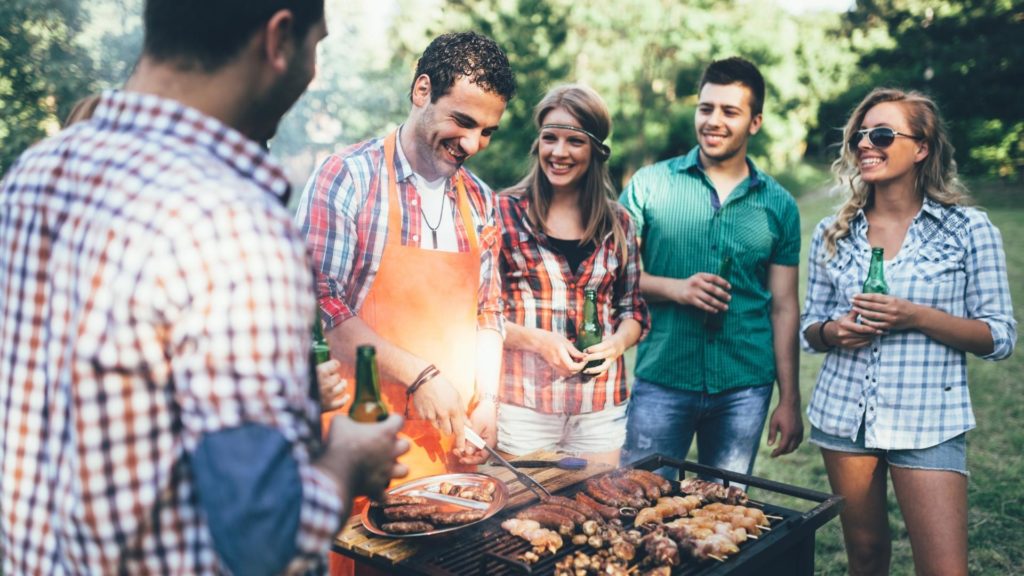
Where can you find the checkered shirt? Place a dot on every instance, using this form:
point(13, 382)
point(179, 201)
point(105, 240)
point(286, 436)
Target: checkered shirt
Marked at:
point(343, 213)
point(542, 292)
point(154, 289)
point(908, 389)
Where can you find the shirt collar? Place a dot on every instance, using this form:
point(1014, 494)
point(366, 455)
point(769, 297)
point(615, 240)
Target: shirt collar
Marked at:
point(691, 161)
point(124, 111)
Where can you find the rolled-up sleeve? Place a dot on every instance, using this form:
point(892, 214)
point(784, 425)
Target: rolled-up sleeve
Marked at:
point(243, 305)
point(326, 215)
point(988, 288)
point(628, 301)
point(820, 303)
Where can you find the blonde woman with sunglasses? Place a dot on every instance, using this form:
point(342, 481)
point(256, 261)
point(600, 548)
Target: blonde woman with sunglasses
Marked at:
point(891, 400)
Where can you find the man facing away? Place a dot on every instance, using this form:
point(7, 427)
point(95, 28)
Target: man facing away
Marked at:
point(691, 212)
point(405, 241)
point(156, 312)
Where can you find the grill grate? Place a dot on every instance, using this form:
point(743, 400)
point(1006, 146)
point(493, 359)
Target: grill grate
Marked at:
point(492, 551)
point(488, 550)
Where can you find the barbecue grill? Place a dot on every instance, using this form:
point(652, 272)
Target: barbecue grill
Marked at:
point(487, 549)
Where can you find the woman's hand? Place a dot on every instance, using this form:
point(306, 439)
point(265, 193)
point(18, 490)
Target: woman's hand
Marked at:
point(608, 351)
point(333, 387)
point(558, 352)
point(847, 333)
point(886, 313)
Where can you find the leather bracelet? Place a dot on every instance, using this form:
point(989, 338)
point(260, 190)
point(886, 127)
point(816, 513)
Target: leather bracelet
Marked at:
point(428, 374)
point(821, 334)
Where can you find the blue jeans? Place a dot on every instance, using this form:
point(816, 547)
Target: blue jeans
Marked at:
point(728, 425)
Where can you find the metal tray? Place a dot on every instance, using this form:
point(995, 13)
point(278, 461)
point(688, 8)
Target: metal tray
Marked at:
point(428, 486)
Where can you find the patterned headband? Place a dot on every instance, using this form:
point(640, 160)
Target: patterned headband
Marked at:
point(603, 150)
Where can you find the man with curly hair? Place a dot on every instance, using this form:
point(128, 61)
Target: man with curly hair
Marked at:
point(406, 247)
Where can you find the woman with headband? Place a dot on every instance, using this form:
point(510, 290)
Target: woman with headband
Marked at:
point(563, 234)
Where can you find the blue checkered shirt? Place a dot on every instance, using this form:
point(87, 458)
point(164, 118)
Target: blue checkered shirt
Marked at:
point(909, 390)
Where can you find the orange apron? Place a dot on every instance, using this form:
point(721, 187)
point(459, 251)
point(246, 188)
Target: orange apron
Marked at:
point(425, 302)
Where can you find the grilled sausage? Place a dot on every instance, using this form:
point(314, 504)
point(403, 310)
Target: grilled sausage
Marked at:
point(619, 495)
point(651, 487)
point(399, 500)
point(664, 485)
point(628, 486)
point(459, 517)
point(606, 512)
point(587, 511)
point(406, 527)
point(549, 519)
point(578, 518)
point(410, 512)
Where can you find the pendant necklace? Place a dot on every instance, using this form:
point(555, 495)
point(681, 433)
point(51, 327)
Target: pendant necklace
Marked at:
point(440, 217)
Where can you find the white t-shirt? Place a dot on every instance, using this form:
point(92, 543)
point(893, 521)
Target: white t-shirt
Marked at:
point(437, 211)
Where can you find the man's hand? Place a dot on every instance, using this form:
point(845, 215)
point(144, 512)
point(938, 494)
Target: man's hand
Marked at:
point(483, 421)
point(847, 333)
point(704, 291)
point(787, 426)
point(557, 351)
point(438, 402)
point(363, 458)
point(333, 388)
point(885, 313)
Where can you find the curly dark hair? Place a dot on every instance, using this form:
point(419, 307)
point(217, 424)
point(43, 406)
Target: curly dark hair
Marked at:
point(468, 54)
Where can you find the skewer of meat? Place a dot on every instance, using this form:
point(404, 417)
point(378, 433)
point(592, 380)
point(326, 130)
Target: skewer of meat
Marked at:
point(713, 491)
point(531, 531)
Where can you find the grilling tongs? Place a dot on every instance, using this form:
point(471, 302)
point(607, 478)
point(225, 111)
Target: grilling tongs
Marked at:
point(523, 477)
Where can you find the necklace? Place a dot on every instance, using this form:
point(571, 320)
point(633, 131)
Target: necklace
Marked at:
point(440, 216)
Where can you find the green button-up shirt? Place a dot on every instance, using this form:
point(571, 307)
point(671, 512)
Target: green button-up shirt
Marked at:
point(682, 233)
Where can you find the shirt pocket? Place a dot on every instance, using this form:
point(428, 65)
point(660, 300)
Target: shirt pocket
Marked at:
point(844, 275)
point(939, 277)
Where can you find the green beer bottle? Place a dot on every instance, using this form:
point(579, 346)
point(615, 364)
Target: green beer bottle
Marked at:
point(714, 322)
point(367, 407)
point(590, 330)
point(318, 354)
point(875, 283)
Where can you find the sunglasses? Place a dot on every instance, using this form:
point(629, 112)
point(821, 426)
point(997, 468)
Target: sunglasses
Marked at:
point(881, 137)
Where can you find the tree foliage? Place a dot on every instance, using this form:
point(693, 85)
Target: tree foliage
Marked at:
point(43, 71)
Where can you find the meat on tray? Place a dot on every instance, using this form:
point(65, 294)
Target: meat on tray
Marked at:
point(480, 493)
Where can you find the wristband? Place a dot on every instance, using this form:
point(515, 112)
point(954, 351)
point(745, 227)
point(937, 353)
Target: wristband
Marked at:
point(821, 334)
point(428, 374)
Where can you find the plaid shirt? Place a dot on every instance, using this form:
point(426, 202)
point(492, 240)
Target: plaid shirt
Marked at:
point(909, 390)
point(153, 293)
point(343, 214)
point(542, 292)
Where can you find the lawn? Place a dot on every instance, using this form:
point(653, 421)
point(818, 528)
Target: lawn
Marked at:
point(996, 491)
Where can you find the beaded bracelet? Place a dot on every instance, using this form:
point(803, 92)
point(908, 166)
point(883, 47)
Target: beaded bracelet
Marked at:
point(821, 334)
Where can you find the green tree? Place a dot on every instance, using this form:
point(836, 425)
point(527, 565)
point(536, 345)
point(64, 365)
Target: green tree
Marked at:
point(43, 70)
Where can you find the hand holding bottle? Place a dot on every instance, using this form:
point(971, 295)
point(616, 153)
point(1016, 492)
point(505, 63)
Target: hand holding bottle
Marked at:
point(333, 388)
point(886, 313)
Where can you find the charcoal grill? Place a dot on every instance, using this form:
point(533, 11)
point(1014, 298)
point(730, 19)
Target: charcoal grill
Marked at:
point(488, 550)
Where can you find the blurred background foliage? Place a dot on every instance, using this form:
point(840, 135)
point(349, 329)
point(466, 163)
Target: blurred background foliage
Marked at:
point(643, 56)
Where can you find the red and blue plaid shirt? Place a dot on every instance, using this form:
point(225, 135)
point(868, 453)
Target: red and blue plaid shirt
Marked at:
point(542, 292)
point(154, 291)
point(343, 214)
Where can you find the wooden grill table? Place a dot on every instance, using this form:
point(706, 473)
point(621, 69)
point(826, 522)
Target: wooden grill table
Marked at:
point(388, 553)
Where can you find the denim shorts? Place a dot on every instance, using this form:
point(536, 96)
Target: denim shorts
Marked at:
point(522, 430)
point(950, 455)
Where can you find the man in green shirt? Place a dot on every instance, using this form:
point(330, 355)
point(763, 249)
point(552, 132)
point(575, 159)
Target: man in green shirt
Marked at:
point(691, 213)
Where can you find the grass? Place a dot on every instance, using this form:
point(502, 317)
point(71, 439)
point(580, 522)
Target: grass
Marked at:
point(996, 446)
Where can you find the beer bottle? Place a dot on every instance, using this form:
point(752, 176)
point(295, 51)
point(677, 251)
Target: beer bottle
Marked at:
point(875, 283)
point(318, 354)
point(367, 406)
point(590, 330)
point(713, 322)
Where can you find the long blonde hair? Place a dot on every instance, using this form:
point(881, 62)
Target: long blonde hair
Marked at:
point(597, 198)
point(936, 175)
